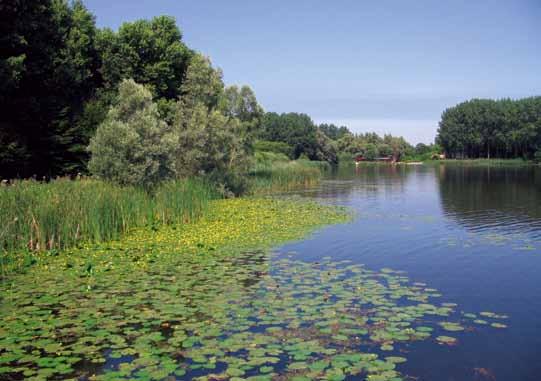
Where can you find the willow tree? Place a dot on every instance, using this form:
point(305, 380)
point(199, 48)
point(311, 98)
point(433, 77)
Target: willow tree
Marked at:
point(133, 146)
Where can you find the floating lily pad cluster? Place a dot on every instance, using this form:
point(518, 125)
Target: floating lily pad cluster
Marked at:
point(514, 241)
point(218, 318)
point(157, 313)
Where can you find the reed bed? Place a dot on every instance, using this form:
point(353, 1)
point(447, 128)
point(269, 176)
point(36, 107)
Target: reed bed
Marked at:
point(40, 217)
point(37, 217)
point(286, 175)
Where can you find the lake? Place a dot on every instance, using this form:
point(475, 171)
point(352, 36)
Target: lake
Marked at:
point(435, 277)
point(473, 233)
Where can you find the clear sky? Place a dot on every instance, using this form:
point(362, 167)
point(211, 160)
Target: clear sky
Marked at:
point(374, 65)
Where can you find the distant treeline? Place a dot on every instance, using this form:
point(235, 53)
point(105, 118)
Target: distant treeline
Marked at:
point(492, 129)
point(296, 135)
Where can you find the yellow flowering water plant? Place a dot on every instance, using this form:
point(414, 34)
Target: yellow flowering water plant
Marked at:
point(206, 301)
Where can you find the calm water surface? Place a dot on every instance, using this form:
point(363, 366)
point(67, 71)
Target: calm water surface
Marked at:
point(472, 233)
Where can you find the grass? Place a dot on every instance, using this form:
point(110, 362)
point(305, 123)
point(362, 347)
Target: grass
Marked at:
point(275, 172)
point(61, 214)
point(283, 177)
point(37, 217)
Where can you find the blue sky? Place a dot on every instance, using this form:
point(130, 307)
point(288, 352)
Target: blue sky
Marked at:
point(374, 65)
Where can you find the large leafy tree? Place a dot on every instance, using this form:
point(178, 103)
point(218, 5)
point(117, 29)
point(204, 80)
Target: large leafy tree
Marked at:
point(325, 148)
point(151, 52)
point(241, 103)
point(47, 69)
point(211, 139)
point(334, 132)
point(297, 130)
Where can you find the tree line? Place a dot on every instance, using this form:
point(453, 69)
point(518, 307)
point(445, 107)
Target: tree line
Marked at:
point(488, 128)
point(61, 77)
point(136, 103)
point(329, 142)
point(371, 146)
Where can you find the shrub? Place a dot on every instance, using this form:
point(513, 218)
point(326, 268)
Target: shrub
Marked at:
point(133, 146)
point(208, 139)
point(275, 147)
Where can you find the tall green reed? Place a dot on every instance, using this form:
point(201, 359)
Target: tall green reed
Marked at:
point(38, 217)
point(282, 176)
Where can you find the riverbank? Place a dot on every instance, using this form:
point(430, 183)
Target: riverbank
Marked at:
point(45, 218)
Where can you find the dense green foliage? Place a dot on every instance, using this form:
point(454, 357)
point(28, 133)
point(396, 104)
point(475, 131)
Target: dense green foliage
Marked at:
point(48, 70)
point(332, 131)
point(492, 128)
point(296, 130)
point(300, 134)
point(371, 146)
point(60, 89)
point(274, 147)
point(423, 152)
point(212, 123)
point(60, 77)
point(59, 74)
point(133, 146)
point(149, 51)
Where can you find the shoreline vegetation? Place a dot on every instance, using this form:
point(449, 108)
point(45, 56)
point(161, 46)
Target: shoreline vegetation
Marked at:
point(225, 226)
point(123, 300)
point(46, 219)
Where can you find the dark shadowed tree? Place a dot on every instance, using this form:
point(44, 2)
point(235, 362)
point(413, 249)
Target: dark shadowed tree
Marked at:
point(48, 68)
point(296, 130)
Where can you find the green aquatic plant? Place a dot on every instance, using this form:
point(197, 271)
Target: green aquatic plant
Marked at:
point(282, 176)
point(452, 327)
point(193, 302)
point(39, 217)
point(447, 340)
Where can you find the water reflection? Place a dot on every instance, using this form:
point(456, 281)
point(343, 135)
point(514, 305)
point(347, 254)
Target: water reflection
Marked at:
point(507, 200)
point(366, 179)
point(473, 233)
